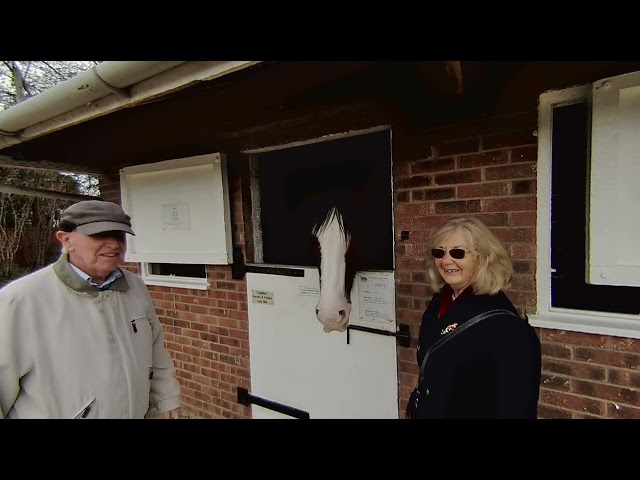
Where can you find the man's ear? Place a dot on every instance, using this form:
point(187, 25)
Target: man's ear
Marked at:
point(64, 239)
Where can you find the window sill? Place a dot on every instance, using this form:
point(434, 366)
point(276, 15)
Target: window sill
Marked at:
point(617, 325)
point(179, 282)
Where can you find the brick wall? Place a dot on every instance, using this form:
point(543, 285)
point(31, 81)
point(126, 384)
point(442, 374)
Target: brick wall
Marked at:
point(488, 170)
point(206, 331)
point(493, 176)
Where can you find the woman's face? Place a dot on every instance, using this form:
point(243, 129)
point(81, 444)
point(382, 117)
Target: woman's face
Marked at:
point(458, 273)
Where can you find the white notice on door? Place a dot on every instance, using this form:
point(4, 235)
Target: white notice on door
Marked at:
point(375, 297)
point(175, 216)
point(262, 296)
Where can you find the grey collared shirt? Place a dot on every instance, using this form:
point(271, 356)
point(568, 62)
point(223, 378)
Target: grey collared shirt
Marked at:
point(107, 281)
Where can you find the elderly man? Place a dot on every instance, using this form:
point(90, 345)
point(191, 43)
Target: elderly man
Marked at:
point(80, 338)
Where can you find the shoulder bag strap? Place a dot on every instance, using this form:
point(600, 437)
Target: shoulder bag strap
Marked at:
point(458, 330)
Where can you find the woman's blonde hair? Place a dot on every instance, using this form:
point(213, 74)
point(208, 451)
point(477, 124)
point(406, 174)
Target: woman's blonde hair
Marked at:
point(493, 267)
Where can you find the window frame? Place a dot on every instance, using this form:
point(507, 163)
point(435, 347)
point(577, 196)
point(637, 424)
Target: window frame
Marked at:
point(196, 283)
point(547, 316)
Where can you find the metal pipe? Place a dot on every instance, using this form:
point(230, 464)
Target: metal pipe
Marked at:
point(35, 192)
point(82, 89)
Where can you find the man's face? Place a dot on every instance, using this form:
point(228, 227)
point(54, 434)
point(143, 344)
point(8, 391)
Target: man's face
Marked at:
point(96, 255)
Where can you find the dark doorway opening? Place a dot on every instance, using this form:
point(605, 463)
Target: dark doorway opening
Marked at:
point(299, 184)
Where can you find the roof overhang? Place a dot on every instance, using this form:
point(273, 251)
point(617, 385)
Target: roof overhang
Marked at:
point(106, 88)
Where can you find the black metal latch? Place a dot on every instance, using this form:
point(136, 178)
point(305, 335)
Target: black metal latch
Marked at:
point(246, 399)
point(403, 334)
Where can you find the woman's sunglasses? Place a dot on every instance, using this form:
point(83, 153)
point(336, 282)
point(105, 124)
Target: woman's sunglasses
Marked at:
point(456, 253)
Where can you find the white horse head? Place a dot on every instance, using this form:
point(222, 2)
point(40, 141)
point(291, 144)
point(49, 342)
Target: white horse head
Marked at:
point(334, 306)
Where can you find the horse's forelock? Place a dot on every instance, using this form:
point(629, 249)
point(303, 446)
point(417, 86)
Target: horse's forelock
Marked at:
point(319, 228)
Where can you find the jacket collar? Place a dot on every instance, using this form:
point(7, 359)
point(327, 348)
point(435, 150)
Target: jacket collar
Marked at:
point(70, 278)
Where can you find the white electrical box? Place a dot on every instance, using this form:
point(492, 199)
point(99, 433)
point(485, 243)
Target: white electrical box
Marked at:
point(179, 211)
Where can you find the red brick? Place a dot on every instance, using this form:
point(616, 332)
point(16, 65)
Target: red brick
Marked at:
point(554, 382)
point(431, 221)
point(461, 176)
point(574, 369)
point(521, 299)
point(467, 206)
point(525, 251)
point(509, 204)
point(607, 357)
point(425, 166)
point(553, 413)
point(482, 190)
point(523, 187)
point(574, 338)
point(401, 170)
point(521, 282)
point(525, 154)
point(410, 263)
point(414, 209)
point(415, 250)
point(403, 196)
point(627, 378)
point(577, 415)
point(508, 235)
point(414, 181)
point(509, 171)
point(432, 194)
point(615, 410)
point(572, 402)
point(626, 344)
point(523, 266)
point(483, 159)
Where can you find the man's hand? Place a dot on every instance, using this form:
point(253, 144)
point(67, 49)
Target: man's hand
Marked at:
point(171, 414)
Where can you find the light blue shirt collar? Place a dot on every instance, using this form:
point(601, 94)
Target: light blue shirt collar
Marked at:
point(107, 281)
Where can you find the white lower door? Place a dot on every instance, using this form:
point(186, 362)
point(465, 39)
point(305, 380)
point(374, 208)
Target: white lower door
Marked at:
point(296, 364)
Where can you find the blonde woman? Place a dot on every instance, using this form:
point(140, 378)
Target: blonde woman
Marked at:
point(490, 368)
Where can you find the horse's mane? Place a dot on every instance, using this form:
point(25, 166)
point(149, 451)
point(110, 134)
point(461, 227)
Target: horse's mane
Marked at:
point(320, 227)
point(351, 257)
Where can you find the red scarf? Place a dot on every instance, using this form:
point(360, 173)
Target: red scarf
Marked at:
point(446, 298)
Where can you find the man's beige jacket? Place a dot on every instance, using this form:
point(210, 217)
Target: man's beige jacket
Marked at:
point(69, 350)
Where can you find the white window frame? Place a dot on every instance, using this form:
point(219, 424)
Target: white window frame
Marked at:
point(585, 321)
point(173, 280)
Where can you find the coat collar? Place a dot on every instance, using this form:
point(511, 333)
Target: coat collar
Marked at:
point(70, 278)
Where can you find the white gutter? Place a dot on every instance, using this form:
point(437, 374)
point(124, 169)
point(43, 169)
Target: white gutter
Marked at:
point(108, 87)
point(82, 89)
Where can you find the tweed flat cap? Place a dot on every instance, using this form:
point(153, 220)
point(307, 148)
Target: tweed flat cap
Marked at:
point(95, 216)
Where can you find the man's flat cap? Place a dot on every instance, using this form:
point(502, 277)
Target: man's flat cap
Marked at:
point(95, 216)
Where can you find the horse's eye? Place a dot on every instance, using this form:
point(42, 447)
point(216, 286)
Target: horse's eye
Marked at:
point(341, 312)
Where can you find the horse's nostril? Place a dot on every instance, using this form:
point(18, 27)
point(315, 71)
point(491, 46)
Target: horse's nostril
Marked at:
point(341, 312)
point(316, 311)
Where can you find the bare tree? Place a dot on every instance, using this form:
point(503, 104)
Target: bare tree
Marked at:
point(21, 80)
point(27, 223)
